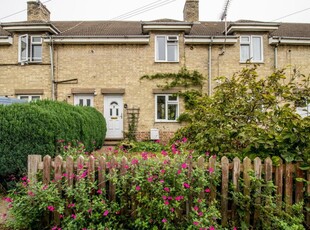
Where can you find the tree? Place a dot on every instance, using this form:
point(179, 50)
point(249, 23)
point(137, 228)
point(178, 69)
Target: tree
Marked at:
point(250, 116)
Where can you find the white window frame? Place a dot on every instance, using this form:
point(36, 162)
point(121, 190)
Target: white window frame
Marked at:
point(29, 48)
point(167, 102)
point(170, 40)
point(78, 97)
point(250, 44)
point(30, 97)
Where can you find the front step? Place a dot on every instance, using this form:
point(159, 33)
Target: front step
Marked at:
point(111, 142)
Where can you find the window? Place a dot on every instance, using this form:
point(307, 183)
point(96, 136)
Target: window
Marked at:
point(30, 48)
point(29, 97)
point(167, 108)
point(303, 107)
point(167, 48)
point(84, 100)
point(251, 49)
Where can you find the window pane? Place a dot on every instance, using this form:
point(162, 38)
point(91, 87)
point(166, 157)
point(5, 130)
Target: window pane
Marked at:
point(172, 112)
point(161, 48)
point(172, 98)
point(244, 52)
point(161, 107)
point(35, 98)
point(245, 39)
point(172, 52)
point(88, 102)
point(81, 102)
point(257, 49)
point(23, 97)
point(23, 48)
point(36, 53)
point(36, 39)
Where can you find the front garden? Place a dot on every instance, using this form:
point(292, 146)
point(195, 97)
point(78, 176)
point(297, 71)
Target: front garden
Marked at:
point(240, 162)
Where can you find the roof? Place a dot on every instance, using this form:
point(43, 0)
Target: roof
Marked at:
point(134, 28)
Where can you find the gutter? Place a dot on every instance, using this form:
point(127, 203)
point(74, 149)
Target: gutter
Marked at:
point(6, 40)
point(52, 69)
point(228, 40)
point(289, 40)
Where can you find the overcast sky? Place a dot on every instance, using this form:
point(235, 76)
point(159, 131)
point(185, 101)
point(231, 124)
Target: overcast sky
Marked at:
point(210, 10)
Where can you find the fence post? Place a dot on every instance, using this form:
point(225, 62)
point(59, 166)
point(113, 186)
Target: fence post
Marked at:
point(288, 196)
point(279, 183)
point(46, 169)
point(247, 183)
point(299, 184)
point(33, 165)
point(258, 175)
point(224, 199)
point(212, 165)
point(308, 203)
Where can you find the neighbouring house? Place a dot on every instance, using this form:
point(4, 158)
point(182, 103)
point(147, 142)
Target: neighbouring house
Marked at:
point(99, 63)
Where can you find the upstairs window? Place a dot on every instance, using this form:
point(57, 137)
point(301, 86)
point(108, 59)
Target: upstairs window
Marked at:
point(30, 48)
point(167, 108)
point(166, 48)
point(251, 49)
point(84, 100)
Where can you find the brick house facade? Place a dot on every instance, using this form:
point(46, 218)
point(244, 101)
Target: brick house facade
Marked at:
point(99, 63)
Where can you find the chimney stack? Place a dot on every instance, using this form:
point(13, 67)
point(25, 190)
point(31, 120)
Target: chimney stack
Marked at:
point(36, 11)
point(191, 11)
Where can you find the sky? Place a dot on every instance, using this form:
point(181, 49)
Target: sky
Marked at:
point(209, 10)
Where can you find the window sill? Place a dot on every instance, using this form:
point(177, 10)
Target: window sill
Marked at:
point(167, 62)
point(256, 62)
point(159, 121)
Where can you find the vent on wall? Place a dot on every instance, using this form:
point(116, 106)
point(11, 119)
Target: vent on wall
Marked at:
point(154, 134)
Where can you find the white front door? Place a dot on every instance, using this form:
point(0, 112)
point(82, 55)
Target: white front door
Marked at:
point(113, 113)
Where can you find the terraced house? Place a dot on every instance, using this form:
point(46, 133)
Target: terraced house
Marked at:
point(99, 63)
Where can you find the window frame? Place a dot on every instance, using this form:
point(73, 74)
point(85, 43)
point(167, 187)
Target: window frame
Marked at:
point(77, 97)
point(30, 44)
point(175, 41)
point(250, 44)
point(167, 102)
point(30, 97)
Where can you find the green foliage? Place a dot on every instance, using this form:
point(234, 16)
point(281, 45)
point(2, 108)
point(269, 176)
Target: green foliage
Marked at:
point(184, 78)
point(152, 194)
point(250, 116)
point(41, 128)
point(146, 146)
point(270, 216)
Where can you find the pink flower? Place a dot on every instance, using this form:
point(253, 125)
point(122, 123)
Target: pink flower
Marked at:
point(186, 185)
point(172, 209)
point(80, 166)
point(51, 208)
point(196, 208)
point(196, 223)
point(162, 171)
point(178, 198)
point(161, 181)
point(213, 156)
point(150, 179)
point(234, 228)
point(164, 153)
point(106, 212)
point(200, 213)
point(212, 228)
point(207, 190)
point(134, 162)
point(71, 205)
point(90, 210)
point(45, 187)
point(8, 199)
point(207, 154)
point(211, 170)
point(170, 198)
point(184, 139)
point(184, 166)
point(138, 188)
point(30, 193)
point(167, 189)
point(179, 171)
point(24, 178)
point(144, 156)
point(126, 167)
point(164, 197)
point(164, 220)
point(73, 216)
point(166, 202)
point(99, 191)
point(157, 141)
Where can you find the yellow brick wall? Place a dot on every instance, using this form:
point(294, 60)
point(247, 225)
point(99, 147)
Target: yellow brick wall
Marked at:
point(121, 66)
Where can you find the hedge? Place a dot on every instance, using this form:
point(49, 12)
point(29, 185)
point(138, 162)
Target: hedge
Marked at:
point(40, 128)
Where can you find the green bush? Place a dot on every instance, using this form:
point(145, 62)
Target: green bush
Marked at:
point(41, 127)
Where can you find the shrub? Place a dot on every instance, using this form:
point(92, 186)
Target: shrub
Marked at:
point(40, 128)
point(152, 195)
point(250, 116)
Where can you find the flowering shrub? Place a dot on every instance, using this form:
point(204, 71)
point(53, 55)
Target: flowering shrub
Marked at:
point(153, 194)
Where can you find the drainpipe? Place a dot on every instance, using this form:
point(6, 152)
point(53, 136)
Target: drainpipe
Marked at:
point(52, 69)
point(210, 68)
point(276, 54)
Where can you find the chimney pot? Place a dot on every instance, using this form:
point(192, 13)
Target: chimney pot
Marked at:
point(36, 11)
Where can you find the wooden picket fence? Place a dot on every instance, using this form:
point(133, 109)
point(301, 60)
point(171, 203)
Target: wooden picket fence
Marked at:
point(284, 176)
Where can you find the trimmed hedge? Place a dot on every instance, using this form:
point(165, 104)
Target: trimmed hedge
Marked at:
point(40, 128)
